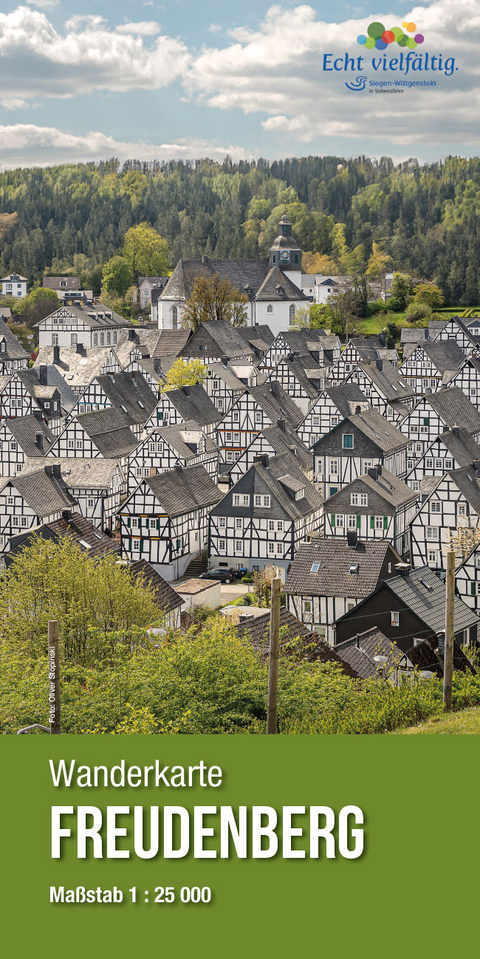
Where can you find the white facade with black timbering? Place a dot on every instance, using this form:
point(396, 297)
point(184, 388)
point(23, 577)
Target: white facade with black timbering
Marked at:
point(256, 409)
point(90, 326)
point(329, 409)
point(451, 450)
point(435, 414)
point(168, 447)
point(29, 501)
point(453, 504)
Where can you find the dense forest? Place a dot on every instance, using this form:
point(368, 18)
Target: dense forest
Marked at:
point(422, 219)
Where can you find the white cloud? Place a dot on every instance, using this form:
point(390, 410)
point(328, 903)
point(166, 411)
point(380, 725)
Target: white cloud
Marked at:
point(43, 4)
point(29, 145)
point(276, 70)
point(214, 28)
point(36, 60)
point(144, 28)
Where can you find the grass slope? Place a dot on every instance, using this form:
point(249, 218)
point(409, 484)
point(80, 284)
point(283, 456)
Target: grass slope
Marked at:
point(463, 722)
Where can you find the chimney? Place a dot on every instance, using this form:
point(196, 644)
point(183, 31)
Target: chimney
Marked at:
point(178, 468)
point(56, 355)
point(56, 470)
point(274, 388)
point(39, 440)
point(42, 374)
point(262, 459)
point(380, 365)
point(382, 338)
point(66, 515)
point(352, 538)
point(38, 415)
point(282, 424)
point(403, 568)
point(80, 349)
point(293, 450)
point(204, 259)
point(186, 390)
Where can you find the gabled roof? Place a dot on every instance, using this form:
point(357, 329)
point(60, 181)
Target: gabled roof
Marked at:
point(225, 337)
point(467, 480)
point(183, 439)
point(165, 595)
point(32, 383)
point(223, 372)
point(259, 337)
point(374, 426)
point(345, 394)
point(297, 641)
point(194, 404)
point(171, 342)
point(14, 350)
point(181, 491)
point(360, 650)
point(282, 437)
point(44, 492)
point(336, 561)
point(282, 476)
point(79, 472)
point(455, 409)
point(130, 393)
point(392, 489)
point(242, 273)
point(96, 317)
point(74, 527)
point(77, 369)
point(25, 430)
point(110, 432)
point(423, 592)
point(444, 354)
point(276, 403)
point(461, 444)
point(388, 380)
point(425, 657)
point(277, 286)
point(300, 367)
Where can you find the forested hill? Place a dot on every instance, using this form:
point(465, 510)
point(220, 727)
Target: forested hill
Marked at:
point(425, 219)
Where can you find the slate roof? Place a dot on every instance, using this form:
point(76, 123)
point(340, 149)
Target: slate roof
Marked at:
point(455, 409)
point(388, 381)
point(78, 472)
point(171, 342)
point(336, 558)
point(226, 338)
point(424, 657)
point(194, 404)
point(183, 490)
point(300, 366)
point(14, 350)
point(375, 427)
point(308, 341)
point(461, 444)
point(25, 429)
point(242, 273)
point(467, 480)
point(345, 394)
point(77, 369)
point(110, 432)
point(276, 403)
point(283, 437)
point(280, 468)
point(130, 393)
point(31, 382)
point(259, 336)
point(445, 355)
point(96, 317)
point(179, 438)
point(223, 371)
point(277, 286)
point(311, 646)
point(77, 528)
point(360, 650)
point(392, 489)
point(165, 596)
point(66, 283)
point(413, 336)
point(44, 492)
point(423, 592)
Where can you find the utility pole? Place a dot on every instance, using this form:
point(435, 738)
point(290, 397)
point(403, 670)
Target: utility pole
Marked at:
point(273, 655)
point(53, 678)
point(449, 630)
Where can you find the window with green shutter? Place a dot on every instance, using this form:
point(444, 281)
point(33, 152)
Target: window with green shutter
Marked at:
point(473, 589)
point(332, 520)
point(359, 519)
point(372, 522)
point(385, 522)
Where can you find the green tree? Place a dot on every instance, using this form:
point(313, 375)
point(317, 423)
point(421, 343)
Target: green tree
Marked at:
point(183, 373)
point(214, 298)
point(428, 292)
point(400, 293)
point(116, 276)
point(145, 251)
point(38, 304)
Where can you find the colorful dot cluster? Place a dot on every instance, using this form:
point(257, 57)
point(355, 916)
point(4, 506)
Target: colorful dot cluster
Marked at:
point(378, 38)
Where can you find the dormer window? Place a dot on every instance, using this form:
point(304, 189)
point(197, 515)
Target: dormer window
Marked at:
point(300, 493)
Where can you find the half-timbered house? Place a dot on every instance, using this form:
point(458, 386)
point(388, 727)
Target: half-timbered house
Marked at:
point(22, 437)
point(189, 404)
point(457, 331)
point(376, 506)
point(128, 392)
point(97, 486)
point(356, 445)
point(359, 350)
point(71, 526)
point(467, 378)
point(323, 348)
point(409, 608)
point(387, 391)
point(44, 389)
point(217, 340)
point(12, 354)
point(333, 404)
point(300, 377)
point(165, 520)
point(223, 386)
point(27, 501)
point(451, 450)
point(78, 366)
point(429, 363)
point(328, 578)
point(452, 504)
point(89, 325)
point(467, 578)
point(436, 414)
point(105, 433)
point(274, 441)
point(170, 446)
point(257, 408)
point(265, 516)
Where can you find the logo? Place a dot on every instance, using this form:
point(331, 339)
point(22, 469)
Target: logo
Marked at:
point(358, 84)
point(378, 38)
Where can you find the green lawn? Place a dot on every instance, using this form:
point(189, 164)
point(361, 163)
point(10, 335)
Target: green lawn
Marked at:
point(464, 722)
point(373, 325)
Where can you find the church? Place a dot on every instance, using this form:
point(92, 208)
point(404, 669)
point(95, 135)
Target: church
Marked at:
point(273, 286)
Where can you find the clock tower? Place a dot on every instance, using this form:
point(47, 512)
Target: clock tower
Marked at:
point(285, 253)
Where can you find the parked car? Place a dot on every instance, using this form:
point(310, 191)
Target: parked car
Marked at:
point(224, 575)
point(238, 572)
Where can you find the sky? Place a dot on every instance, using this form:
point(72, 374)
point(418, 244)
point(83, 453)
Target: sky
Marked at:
point(193, 78)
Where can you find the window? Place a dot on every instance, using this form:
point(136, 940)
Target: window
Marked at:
point(347, 441)
point(13, 445)
point(238, 545)
point(241, 499)
point(271, 525)
point(269, 308)
point(432, 532)
point(271, 547)
point(335, 421)
point(24, 520)
point(135, 523)
point(379, 522)
point(358, 499)
point(239, 522)
point(352, 522)
point(315, 421)
point(307, 606)
point(462, 509)
point(448, 464)
point(108, 339)
point(236, 439)
point(415, 485)
point(222, 522)
point(15, 521)
point(316, 566)
point(174, 317)
point(429, 463)
point(339, 520)
point(333, 467)
point(291, 314)
point(436, 506)
point(221, 544)
point(102, 339)
point(230, 456)
point(279, 549)
point(394, 618)
point(95, 339)
point(236, 416)
point(152, 524)
point(280, 526)
point(54, 339)
point(258, 416)
point(73, 339)
point(91, 503)
point(432, 557)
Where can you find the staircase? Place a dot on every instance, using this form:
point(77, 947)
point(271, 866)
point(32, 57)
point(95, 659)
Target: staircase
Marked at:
point(197, 566)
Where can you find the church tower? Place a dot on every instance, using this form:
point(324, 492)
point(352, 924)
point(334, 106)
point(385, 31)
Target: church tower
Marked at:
point(285, 253)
